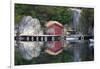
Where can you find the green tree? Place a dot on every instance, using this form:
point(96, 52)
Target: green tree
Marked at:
point(87, 20)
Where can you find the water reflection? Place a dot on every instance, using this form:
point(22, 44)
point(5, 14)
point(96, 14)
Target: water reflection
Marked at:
point(81, 51)
point(72, 52)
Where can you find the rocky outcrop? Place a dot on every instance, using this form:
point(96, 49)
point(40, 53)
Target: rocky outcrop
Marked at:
point(29, 26)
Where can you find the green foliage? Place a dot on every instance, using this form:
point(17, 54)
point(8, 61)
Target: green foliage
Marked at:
point(87, 20)
point(43, 13)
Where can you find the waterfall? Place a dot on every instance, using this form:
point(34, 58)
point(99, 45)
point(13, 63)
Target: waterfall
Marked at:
point(75, 18)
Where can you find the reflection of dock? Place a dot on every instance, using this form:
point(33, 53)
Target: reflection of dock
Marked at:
point(40, 38)
point(71, 38)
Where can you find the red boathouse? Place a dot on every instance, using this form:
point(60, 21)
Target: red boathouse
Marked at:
point(54, 28)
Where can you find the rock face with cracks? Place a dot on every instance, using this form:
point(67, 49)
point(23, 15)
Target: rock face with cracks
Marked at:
point(29, 26)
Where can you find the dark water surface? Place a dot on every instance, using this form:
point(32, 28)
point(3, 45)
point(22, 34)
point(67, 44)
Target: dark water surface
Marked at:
point(73, 52)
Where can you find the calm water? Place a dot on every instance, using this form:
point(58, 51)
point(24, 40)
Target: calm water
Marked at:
point(73, 52)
